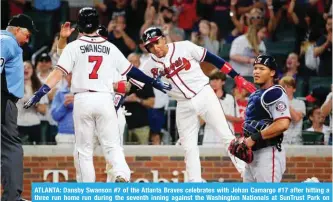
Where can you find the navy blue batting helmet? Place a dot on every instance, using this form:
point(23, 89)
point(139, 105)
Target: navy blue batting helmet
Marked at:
point(87, 20)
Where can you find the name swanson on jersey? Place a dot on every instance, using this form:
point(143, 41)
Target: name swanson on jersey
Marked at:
point(94, 48)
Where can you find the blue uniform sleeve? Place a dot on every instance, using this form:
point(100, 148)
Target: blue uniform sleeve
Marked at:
point(5, 55)
point(58, 109)
point(220, 64)
point(137, 74)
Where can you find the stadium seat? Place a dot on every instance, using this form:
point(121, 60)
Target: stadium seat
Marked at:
point(225, 50)
point(300, 87)
point(319, 81)
point(306, 123)
point(280, 48)
point(43, 22)
point(312, 138)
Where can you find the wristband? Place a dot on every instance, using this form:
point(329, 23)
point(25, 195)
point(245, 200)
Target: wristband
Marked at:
point(227, 69)
point(257, 136)
point(121, 87)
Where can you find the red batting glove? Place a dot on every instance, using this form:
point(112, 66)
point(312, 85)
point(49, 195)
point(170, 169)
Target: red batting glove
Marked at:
point(243, 83)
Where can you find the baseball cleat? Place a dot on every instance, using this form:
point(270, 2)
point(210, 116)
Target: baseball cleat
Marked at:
point(120, 179)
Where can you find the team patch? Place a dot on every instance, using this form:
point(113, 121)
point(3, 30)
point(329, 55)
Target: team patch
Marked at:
point(281, 106)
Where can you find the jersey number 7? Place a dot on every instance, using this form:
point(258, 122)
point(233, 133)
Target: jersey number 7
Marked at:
point(98, 61)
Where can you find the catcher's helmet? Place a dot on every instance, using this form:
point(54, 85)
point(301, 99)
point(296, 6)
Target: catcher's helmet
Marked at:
point(266, 60)
point(151, 35)
point(87, 20)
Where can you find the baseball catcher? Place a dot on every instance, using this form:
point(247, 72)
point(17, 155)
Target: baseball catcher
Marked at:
point(267, 116)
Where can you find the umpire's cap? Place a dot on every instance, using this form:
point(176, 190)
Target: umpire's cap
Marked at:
point(23, 21)
point(266, 60)
point(87, 20)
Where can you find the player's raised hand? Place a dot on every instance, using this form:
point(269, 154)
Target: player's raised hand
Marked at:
point(66, 30)
point(160, 85)
point(241, 82)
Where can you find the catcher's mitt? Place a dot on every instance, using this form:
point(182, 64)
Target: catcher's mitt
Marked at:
point(239, 149)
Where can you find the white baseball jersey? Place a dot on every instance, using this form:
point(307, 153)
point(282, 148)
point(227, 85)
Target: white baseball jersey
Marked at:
point(94, 61)
point(181, 68)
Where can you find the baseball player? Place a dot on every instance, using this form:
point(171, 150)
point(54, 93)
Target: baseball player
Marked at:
point(179, 63)
point(267, 116)
point(93, 62)
point(119, 87)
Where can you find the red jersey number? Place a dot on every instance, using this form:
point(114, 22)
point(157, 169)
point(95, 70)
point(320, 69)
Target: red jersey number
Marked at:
point(98, 61)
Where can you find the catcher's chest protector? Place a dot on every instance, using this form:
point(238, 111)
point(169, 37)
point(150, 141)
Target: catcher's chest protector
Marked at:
point(255, 110)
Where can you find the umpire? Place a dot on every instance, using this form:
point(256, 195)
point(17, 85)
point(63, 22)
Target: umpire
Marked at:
point(17, 33)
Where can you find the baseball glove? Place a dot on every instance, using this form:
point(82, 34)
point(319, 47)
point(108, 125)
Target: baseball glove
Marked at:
point(239, 149)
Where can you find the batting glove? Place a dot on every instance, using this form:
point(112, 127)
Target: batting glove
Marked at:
point(243, 83)
point(37, 96)
point(160, 85)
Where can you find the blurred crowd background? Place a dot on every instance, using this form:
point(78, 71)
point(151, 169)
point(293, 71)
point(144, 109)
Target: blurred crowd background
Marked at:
point(298, 33)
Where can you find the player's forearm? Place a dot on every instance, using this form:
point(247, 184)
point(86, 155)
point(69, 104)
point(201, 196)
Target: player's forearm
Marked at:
point(276, 128)
point(52, 93)
point(138, 75)
point(220, 64)
point(54, 77)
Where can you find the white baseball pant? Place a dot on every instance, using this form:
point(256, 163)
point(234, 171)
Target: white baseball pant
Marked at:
point(206, 105)
point(110, 176)
point(94, 114)
point(268, 165)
